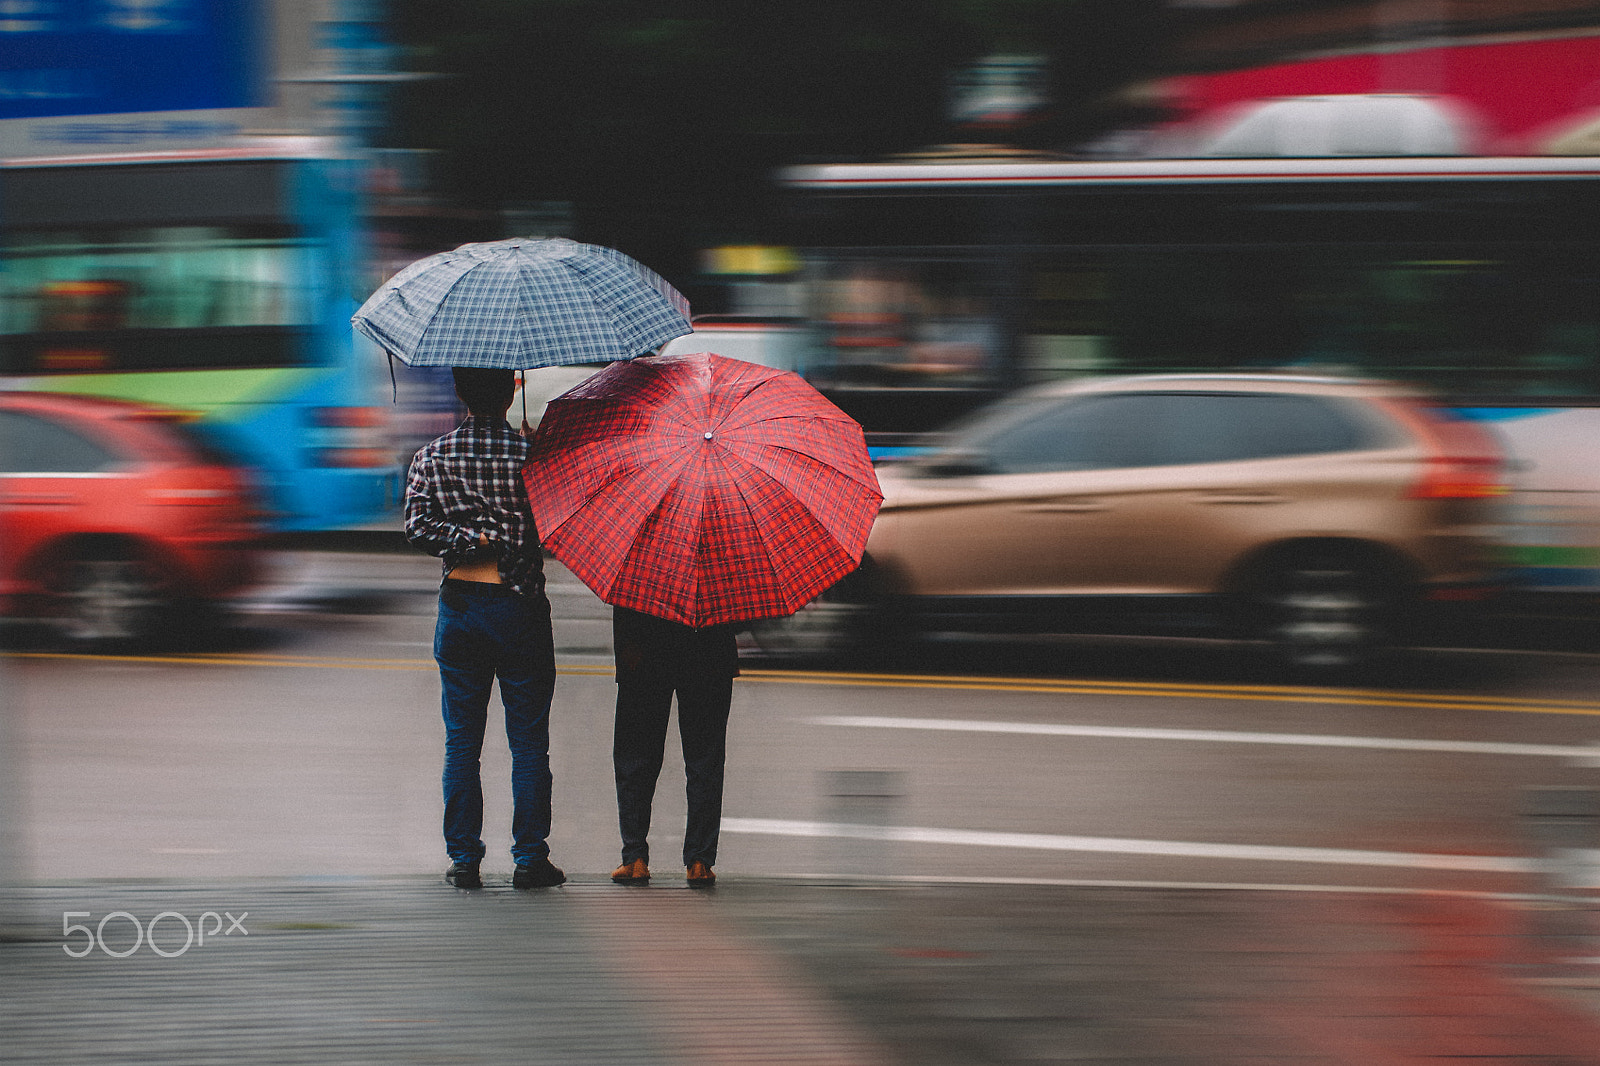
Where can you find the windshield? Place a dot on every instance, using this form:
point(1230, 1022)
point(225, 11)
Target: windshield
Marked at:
point(965, 440)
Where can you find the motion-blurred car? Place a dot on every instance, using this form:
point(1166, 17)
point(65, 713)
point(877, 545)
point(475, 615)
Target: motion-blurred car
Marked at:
point(114, 516)
point(1320, 515)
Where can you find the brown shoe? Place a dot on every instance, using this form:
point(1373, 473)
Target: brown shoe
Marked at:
point(700, 875)
point(636, 872)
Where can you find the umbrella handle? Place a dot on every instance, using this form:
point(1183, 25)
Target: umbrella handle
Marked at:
point(522, 376)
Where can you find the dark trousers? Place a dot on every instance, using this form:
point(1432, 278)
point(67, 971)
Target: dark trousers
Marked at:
point(487, 632)
point(655, 661)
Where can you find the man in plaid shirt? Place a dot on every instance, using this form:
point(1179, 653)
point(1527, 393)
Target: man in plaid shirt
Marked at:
point(466, 503)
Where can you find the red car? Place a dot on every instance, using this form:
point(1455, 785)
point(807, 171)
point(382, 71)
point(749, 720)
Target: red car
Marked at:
point(115, 515)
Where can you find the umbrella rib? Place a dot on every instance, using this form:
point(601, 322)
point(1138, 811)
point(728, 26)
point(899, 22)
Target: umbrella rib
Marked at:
point(622, 474)
point(824, 411)
point(434, 319)
point(779, 486)
point(750, 513)
point(667, 494)
point(871, 483)
point(797, 502)
point(397, 294)
point(616, 316)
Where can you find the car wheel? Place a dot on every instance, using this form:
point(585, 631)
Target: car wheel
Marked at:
point(109, 597)
point(1325, 611)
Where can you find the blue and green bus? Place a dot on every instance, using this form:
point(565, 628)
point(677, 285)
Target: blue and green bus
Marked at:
point(217, 281)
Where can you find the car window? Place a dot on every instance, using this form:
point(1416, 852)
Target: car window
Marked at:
point(1089, 433)
point(1225, 427)
point(30, 444)
point(1160, 429)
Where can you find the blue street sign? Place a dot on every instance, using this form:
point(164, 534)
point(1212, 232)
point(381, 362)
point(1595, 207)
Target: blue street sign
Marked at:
point(101, 57)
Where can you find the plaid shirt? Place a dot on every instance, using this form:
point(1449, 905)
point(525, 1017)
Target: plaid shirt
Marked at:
point(467, 483)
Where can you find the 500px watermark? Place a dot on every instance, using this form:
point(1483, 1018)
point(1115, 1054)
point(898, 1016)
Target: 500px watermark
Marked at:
point(194, 933)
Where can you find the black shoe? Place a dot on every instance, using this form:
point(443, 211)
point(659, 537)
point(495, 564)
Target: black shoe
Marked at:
point(464, 875)
point(540, 873)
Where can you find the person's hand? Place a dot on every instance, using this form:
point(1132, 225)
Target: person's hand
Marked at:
point(526, 430)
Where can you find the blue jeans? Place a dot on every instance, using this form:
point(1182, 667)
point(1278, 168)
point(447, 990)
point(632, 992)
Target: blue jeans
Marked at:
point(487, 632)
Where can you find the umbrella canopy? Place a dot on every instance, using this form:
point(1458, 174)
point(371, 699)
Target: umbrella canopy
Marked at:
point(523, 303)
point(701, 489)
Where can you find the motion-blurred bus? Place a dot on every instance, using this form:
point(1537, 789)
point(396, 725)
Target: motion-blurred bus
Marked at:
point(932, 287)
point(220, 282)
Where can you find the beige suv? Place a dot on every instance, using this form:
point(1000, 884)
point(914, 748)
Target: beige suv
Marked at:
point(1320, 515)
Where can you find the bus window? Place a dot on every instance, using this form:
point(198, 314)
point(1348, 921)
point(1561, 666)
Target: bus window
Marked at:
point(174, 277)
point(1463, 324)
point(905, 322)
point(1068, 320)
point(93, 303)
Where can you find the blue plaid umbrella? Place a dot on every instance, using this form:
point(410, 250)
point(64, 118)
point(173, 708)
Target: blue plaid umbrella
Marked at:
point(523, 303)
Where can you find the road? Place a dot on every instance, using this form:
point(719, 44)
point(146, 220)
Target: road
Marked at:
point(306, 742)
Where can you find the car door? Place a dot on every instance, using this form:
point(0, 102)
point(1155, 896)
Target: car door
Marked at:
point(1228, 473)
point(1033, 508)
point(49, 474)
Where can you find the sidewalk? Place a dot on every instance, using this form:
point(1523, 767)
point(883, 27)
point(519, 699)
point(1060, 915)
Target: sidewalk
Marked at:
point(764, 971)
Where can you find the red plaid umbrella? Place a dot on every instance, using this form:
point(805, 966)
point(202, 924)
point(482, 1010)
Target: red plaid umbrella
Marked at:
point(701, 489)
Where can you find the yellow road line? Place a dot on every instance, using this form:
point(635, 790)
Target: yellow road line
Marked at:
point(1289, 692)
point(1047, 686)
point(1331, 697)
point(233, 660)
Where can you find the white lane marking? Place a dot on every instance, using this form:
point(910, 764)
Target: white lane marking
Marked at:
point(189, 851)
point(1211, 886)
point(1318, 740)
point(1117, 845)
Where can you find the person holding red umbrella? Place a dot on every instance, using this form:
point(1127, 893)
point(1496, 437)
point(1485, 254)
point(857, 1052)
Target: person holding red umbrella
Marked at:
point(657, 659)
point(694, 493)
